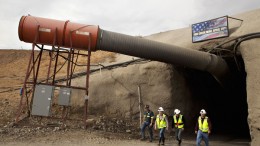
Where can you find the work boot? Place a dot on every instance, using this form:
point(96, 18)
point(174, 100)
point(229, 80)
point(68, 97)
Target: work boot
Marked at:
point(179, 141)
point(160, 141)
point(163, 139)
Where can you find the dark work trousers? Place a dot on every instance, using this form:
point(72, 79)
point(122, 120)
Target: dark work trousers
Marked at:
point(147, 124)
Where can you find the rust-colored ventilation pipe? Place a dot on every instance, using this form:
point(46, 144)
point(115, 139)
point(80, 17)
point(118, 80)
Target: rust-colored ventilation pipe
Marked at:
point(74, 35)
point(68, 35)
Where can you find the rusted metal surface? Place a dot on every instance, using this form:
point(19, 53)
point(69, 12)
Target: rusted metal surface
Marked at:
point(73, 87)
point(28, 25)
point(28, 72)
point(38, 31)
point(71, 67)
point(87, 83)
point(55, 67)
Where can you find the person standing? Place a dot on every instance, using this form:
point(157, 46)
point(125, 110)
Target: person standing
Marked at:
point(148, 121)
point(178, 124)
point(203, 128)
point(161, 124)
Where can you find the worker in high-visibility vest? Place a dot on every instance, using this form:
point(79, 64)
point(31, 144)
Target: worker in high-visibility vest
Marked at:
point(161, 124)
point(203, 128)
point(178, 125)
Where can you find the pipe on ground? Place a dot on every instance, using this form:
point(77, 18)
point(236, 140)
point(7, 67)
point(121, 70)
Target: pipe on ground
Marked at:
point(73, 35)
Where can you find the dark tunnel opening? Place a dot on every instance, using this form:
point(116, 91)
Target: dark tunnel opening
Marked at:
point(226, 107)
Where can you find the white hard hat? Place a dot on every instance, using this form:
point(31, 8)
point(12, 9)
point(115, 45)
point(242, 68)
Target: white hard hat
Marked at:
point(203, 111)
point(160, 109)
point(177, 111)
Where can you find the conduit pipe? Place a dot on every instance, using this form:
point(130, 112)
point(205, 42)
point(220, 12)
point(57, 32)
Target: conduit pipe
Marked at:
point(74, 35)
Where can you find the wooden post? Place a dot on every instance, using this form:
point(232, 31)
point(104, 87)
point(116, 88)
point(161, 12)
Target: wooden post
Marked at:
point(140, 104)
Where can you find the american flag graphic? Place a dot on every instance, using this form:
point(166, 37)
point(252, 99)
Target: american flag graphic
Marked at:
point(210, 29)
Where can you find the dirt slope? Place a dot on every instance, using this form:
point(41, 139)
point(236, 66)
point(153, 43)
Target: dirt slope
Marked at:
point(13, 64)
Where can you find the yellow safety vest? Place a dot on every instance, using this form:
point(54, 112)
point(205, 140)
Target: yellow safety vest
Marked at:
point(178, 124)
point(161, 123)
point(204, 127)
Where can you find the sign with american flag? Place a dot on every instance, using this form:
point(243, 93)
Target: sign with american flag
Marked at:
point(211, 29)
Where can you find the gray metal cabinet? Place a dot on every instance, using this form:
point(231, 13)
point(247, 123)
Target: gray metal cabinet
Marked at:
point(42, 100)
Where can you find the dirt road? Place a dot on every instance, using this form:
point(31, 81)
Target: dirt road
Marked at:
point(105, 142)
point(80, 137)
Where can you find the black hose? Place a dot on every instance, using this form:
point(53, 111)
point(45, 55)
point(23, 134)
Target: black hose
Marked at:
point(235, 39)
point(248, 37)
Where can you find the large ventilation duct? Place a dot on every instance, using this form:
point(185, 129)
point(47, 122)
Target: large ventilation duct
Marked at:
point(77, 36)
point(134, 46)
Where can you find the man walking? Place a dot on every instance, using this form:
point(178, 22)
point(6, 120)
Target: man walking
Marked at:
point(178, 125)
point(203, 128)
point(148, 121)
point(161, 124)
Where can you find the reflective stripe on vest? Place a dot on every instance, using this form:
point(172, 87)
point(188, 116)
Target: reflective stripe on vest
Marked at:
point(204, 127)
point(178, 124)
point(161, 123)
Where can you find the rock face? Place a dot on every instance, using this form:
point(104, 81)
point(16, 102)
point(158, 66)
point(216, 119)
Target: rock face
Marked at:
point(115, 92)
point(118, 89)
point(250, 51)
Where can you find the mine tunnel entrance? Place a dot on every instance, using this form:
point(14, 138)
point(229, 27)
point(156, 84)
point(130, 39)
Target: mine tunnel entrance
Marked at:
point(226, 107)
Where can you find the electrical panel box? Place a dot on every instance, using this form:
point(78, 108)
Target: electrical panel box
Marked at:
point(42, 100)
point(64, 96)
